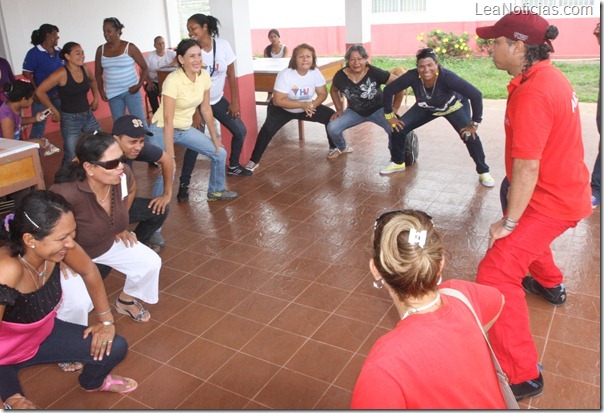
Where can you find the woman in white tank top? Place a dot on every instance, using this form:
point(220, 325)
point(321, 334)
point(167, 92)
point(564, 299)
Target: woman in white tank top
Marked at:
point(116, 75)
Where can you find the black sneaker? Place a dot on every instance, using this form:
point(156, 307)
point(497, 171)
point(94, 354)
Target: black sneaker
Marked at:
point(183, 193)
point(529, 388)
point(555, 295)
point(238, 171)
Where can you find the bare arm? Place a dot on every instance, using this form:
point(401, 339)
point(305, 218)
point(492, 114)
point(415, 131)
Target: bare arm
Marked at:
point(136, 54)
point(169, 108)
point(338, 102)
point(81, 263)
point(158, 204)
point(524, 179)
point(58, 77)
point(94, 86)
point(98, 74)
point(208, 116)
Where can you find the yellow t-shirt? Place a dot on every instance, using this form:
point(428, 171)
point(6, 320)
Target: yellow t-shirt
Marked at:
point(188, 96)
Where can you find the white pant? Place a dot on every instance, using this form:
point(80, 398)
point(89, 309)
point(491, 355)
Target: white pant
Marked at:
point(140, 264)
point(76, 301)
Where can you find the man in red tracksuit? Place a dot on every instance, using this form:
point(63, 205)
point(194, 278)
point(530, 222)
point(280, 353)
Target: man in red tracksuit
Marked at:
point(546, 190)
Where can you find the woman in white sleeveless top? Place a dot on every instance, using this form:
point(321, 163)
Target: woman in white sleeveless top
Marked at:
point(116, 75)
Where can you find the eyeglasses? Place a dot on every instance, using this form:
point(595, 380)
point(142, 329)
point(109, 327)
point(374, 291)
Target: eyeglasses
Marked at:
point(383, 215)
point(112, 164)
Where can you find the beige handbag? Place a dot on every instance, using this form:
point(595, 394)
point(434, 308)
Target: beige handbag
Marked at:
point(508, 395)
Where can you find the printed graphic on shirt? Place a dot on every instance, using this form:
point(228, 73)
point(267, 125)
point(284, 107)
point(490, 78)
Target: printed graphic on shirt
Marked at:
point(303, 92)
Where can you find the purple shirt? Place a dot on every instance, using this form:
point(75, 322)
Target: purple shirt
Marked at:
point(7, 113)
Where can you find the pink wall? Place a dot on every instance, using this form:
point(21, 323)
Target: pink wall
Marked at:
point(575, 40)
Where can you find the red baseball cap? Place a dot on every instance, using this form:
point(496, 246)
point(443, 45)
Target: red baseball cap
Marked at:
point(525, 26)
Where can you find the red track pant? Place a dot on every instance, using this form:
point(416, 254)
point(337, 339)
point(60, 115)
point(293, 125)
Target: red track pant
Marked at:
point(526, 249)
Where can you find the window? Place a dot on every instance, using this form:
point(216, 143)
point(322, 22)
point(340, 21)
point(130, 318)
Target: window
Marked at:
point(398, 6)
point(187, 8)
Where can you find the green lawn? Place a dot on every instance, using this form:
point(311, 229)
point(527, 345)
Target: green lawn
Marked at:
point(481, 72)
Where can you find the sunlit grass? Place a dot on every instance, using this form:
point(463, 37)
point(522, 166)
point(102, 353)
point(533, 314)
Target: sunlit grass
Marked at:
point(483, 74)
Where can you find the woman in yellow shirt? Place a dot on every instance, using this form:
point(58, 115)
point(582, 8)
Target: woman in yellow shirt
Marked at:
point(184, 90)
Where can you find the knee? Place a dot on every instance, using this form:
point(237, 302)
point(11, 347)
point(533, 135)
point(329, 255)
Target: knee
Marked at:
point(119, 348)
point(222, 154)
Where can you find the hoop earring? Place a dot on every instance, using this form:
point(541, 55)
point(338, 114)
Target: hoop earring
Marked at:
point(378, 284)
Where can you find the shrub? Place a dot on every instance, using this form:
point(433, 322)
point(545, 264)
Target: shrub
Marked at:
point(484, 46)
point(447, 45)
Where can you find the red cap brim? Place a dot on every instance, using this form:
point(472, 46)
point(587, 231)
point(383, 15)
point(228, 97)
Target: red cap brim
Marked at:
point(488, 32)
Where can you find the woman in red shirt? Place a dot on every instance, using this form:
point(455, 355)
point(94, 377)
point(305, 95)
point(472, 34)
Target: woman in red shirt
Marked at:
point(436, 357)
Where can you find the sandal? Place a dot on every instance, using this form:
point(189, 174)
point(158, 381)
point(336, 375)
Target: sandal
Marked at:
point(142, 313)
point(117, 384)
point(75, 367)
point(19, 402)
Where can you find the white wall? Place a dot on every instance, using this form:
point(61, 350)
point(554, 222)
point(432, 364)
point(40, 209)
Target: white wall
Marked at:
point(294, 13)
point(82, 21)
point(318, 13)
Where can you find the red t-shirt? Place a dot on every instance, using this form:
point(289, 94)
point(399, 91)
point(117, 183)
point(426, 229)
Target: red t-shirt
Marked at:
point(437, 360)
point(542, 122)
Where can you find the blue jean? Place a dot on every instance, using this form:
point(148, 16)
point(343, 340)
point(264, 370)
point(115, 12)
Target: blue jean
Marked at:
point(196, 141)
point(134, 103)
point(416, 117)
point(37, 128)
point(349, 119)
point(72, 126)
point(66, 345)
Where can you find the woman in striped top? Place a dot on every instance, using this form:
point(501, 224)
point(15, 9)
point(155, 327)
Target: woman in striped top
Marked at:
point(115, 72)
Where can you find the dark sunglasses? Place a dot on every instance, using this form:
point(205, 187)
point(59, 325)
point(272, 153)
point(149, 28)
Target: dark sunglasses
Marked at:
point(112, 164)
point(383, 215)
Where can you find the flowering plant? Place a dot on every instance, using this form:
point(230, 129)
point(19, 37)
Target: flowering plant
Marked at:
point(484, 46)
point(447, 45)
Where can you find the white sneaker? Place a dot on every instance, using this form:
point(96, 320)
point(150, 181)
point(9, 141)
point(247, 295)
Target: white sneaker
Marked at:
point(486, 179)
point(335, 152)
point(51, 150)
point(251, 165)
point(392, 168)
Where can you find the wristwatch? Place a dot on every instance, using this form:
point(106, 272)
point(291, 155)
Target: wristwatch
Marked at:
point(476, 124)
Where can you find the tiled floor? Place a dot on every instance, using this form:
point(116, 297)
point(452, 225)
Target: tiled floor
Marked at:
point(266, 301)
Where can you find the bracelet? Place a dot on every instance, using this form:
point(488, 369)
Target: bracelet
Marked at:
point(509, 227)
point(513, 221)
point(390, 115)
point(103, 313)
point(107, 323)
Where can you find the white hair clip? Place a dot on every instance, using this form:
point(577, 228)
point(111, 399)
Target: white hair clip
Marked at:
point(417, 237)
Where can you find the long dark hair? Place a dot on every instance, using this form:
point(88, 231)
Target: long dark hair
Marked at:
point(538, 52)
point(18, 90)
point(267, 49)
point(38, 36)
point(37, 213)
point(211, 21)
point(90, 148)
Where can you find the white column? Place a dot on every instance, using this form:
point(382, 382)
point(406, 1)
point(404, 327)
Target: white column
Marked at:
point(234, 17)
point(358, 22)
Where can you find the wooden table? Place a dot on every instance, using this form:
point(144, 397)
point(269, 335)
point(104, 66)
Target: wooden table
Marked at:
point(267, 69)
point(20, 166)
